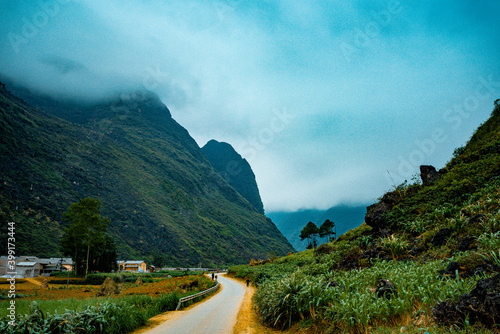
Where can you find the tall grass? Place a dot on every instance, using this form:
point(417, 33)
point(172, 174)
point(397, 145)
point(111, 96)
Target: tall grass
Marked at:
point(348, 300)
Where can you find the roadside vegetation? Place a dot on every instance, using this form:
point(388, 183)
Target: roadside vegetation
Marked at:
point(428, 262)
point(76, 308)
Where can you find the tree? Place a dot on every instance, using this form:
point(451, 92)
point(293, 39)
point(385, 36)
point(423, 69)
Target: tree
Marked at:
point(310, 232)
point(104, 255)
point(86, 239)
point(158, 259)
point(326, 229)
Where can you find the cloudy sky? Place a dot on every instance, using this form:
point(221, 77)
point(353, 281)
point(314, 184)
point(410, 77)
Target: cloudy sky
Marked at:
point(332, 102)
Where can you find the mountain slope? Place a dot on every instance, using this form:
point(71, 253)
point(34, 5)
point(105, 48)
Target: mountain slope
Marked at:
point(235, 170)
point(157, 187)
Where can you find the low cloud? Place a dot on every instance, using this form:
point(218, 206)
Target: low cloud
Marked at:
point(60, 64)
point(365, 81)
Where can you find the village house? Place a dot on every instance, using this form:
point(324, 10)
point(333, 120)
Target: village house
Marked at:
point(28, 269)
point(55, 264)
point(137, 266)
point(32, 266)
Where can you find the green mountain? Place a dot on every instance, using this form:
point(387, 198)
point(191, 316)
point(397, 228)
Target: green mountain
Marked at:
point(291, 223)
point(427, 258)
point(164, 199)
point(235, 170)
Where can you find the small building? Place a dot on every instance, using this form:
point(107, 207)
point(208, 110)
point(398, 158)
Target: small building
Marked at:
point(32, 266)
point(55, 264)
point(28, 269)
point(138, 266)
point(26, 266)
point(63, 263)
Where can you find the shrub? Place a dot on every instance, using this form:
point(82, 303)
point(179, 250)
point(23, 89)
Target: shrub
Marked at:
point(323, 249)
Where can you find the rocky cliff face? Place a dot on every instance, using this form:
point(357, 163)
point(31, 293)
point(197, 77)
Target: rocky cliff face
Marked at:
point(235, 170)
point(159, 190)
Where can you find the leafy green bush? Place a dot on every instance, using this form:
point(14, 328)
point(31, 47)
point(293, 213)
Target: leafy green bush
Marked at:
point(62, 274)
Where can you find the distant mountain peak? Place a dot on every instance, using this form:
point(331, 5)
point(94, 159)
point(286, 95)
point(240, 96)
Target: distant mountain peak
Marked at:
point(142, 100)
point(134, 106)
point(125, 105)
point(235, 170)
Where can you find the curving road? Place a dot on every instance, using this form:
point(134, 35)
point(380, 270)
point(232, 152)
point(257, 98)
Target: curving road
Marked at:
point(215, 315)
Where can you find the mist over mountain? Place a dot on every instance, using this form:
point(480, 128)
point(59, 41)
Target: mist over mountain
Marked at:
point(291, 223)
point(163, 197)
point(235, 170)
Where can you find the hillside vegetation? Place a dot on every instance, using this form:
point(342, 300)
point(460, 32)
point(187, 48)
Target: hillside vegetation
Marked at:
point(167, 205)
point(429, 262)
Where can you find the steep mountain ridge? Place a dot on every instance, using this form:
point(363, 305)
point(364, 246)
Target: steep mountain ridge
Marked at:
point(235, 170)
point(164, 199)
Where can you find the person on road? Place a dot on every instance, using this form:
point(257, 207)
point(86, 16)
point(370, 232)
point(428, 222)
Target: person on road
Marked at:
point(213, 275)
point(248, 282)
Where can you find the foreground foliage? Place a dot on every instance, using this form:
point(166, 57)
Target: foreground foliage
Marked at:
point(120, 316)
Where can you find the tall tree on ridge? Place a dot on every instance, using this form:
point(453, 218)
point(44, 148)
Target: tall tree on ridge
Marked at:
point(310, 232)
point(326, 230)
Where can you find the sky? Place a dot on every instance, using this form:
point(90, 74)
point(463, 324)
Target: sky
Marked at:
point(331, 102)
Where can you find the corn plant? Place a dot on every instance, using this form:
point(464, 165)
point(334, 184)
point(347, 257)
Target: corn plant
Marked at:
point(348, 300)
point(494, 257)
point(489, 241)
point(491, 223)
point(395, 246)
point(418, 225)
point(283, 302)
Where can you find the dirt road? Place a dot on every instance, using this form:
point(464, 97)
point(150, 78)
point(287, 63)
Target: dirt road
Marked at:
point(216, 315)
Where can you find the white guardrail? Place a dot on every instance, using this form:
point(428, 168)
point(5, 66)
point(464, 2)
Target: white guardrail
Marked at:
point(199, 294)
